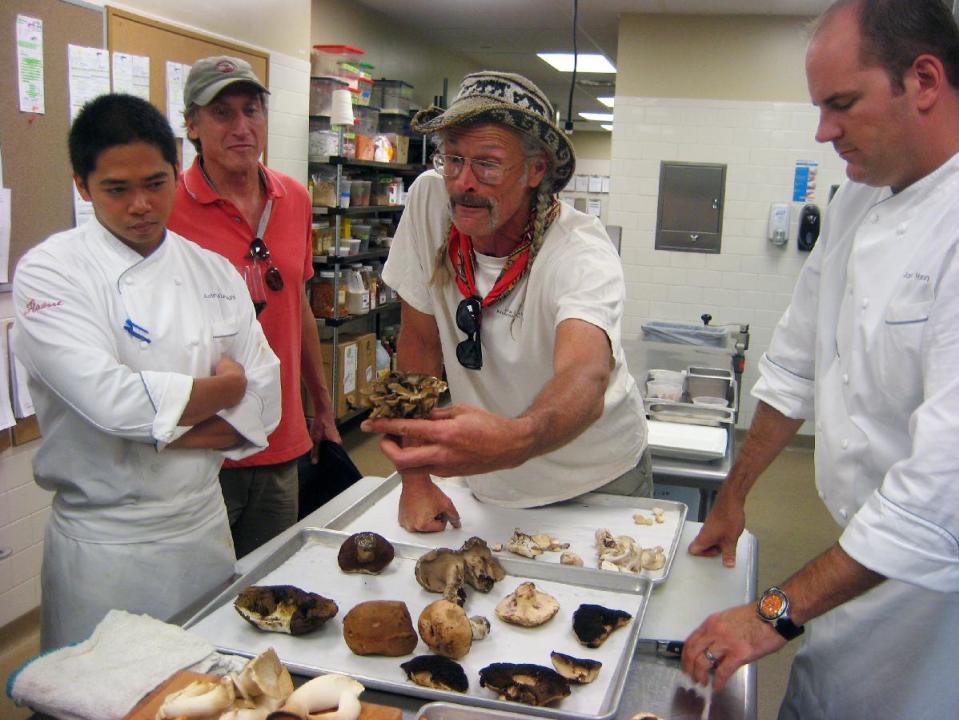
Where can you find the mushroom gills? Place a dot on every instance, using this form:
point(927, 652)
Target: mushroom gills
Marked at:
point(436, 671)
point(577, 670)
point(524, 682)
point(592, 624)
point(284, 608)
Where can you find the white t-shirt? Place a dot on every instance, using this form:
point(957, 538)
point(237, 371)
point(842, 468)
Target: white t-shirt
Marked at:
point(576, 274)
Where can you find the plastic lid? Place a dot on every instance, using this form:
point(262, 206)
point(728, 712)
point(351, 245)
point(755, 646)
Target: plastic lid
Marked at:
point(331, 79)
point(340, 49)
point(386, 81)
point(327, 274)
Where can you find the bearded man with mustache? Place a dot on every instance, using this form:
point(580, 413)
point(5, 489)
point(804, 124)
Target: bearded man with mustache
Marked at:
point(520, 299)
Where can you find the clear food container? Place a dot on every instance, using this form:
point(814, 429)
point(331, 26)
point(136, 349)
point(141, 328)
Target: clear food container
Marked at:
point(324, 59)
point(321, 94)
point(393, 95)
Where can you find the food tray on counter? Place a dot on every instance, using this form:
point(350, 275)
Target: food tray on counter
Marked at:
point(573, 521)
point(308, 560)
point(451, 711)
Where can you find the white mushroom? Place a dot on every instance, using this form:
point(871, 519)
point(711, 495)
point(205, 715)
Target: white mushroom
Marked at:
point(523, 544)
point(571, 558)
point(480, 627)
point(653, 558)
point(199, 699)
point(324, 692)
point(641, 519)
point(659, 514)
point(264, 675)
point(527, 606)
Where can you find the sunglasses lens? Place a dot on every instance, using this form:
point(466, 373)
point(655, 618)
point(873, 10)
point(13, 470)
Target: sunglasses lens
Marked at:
point(258, 249)
point(468, 315)
point(470, 354)
point(274, 280)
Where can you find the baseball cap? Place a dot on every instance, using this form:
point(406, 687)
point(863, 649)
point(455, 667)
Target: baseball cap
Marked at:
point(209, 76)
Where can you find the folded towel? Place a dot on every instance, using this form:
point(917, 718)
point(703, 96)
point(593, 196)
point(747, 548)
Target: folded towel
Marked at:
point(104, 676)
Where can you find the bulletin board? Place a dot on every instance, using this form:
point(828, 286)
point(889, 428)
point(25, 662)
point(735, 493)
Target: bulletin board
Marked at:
point(36, 164)
point(129, 33)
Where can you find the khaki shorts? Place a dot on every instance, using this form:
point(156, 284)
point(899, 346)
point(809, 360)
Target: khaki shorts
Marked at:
point(261, 501)
point(637, 482)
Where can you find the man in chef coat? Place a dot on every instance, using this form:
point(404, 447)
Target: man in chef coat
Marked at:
point(260, 220)
point(869, 351)
point(520, 298)
point(147, 367)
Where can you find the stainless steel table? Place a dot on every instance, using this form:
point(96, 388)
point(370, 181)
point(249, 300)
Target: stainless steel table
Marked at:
point(705, 476)
point(695, 588)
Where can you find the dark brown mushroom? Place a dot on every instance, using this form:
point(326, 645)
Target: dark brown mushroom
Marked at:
point(365, 552)
point(445, 571)
point(524, 682)
point(592, 624)
point(577, 670)
point(436, 671)
point(284, 608)
point(380, 627)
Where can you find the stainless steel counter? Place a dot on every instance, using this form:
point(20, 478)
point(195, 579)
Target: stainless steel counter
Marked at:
point(695, 588)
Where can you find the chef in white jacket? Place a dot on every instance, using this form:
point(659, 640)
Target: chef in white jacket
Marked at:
point(869, 351)
point(147, 367)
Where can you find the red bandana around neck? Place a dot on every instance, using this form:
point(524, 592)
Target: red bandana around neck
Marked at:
point(517, 262)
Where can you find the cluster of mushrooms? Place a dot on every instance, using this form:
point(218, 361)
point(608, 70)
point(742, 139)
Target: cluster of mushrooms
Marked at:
point(385, 627)
point(403, 395)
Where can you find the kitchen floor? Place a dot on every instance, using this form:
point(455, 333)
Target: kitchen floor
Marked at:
point(783, 512)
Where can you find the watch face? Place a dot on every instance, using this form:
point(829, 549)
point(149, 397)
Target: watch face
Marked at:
point(772, 605)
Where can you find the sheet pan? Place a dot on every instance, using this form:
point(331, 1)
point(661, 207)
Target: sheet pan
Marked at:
point(308, 560)
point(574, 521)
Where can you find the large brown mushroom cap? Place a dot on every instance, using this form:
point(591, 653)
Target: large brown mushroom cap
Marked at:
point(436, 671)
point(365, 552)
point(524, 682)
point(592, 624)
point(284, 608)
point(446, 629)
point(380, 627)
point(445, 570)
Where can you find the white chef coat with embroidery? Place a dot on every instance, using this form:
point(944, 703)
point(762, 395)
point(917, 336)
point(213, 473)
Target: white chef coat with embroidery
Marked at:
point(108, 402)
point(869, 348)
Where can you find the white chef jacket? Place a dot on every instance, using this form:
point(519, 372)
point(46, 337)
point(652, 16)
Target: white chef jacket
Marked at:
point(144, 526)
point(869, 349)
point(576, 274)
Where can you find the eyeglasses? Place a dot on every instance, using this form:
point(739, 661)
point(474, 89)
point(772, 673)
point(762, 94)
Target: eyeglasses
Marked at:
point(488, 172)
point(469, 315)
point(259, 250)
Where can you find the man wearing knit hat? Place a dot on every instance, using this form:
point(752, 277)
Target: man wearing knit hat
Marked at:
point(259, 219)
point(520, 298)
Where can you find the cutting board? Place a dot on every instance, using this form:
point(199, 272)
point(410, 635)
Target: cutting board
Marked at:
point(147, 708)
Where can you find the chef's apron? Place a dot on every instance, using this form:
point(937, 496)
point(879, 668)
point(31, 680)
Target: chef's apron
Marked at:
point(82, 579)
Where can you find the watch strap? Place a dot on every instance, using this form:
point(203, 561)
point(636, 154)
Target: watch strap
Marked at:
point(788, 629)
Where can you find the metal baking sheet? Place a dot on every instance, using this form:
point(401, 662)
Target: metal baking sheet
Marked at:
point(308, 560)
point(452, 711)
point(573, 521)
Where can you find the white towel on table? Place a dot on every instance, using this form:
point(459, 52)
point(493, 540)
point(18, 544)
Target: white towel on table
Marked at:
point(104, 676)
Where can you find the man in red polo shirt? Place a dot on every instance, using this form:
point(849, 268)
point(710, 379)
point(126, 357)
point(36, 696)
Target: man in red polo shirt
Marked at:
point(259, 219)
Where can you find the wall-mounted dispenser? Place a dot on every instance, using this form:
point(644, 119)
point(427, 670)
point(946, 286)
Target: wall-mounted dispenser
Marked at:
point(808, 228)
point(778, 232)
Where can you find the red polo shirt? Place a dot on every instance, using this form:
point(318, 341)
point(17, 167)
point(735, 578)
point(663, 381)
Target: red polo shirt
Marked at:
point(202, 215)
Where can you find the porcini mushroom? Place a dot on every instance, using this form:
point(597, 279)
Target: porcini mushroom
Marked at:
point(527, 606)
point(380, 627)
point(446, 629)
point(445, 571)
point(577, 670)
point(365, 552)
point(284, 608)
point(524, 682)
point(436, 671)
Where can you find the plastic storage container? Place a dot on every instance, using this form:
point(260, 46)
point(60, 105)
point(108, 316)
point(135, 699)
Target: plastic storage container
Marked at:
point(664, 390)
point(323, 142)
point(323, 180)
point(393, 95)
point(398, 123)
point(366, 120)
point(360, 193)
point(328, 297)
point(324, 59)
point(321, 94)
point(685, 334)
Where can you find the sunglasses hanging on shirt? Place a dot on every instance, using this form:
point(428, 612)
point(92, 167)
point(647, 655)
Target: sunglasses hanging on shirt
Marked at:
point(272, 276)
point(469, 316)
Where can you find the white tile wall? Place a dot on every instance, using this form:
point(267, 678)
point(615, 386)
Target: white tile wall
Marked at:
point(751, 280)
point(24, 507)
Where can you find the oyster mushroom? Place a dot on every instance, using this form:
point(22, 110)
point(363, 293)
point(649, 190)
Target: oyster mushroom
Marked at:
point(527, 606)
point(365, 552)
point(577, 670)
point(444, 627)
point(652, 558)
point(436, 671)
point(199, 699)
point(284, 608)
point(571, 558)
point(592, 624)
point(523, 544)
point(401, 395)
point(524, 682)
point(322, 693)
point(380, 627)
point(642, 519)
point(445, 571)
point(264, 676)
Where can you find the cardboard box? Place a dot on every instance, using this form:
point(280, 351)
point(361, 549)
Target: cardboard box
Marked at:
point(356, 368)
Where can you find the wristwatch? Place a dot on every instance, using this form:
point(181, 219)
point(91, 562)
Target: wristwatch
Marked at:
point(773, 607)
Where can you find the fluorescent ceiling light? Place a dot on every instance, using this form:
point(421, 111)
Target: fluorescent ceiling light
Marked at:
point(607, 127)
point(598, 117)
point(585, 63)
point(607, 101)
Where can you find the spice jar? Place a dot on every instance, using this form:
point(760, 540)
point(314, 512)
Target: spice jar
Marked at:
point(328, 299)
